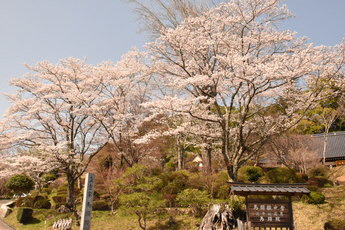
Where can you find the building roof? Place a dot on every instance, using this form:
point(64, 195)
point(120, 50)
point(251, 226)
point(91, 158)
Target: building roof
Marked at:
point(268, 189)
point(335, 144)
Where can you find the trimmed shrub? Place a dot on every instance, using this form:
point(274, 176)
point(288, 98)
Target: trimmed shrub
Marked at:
point(42, 204)
point(193, 198)
point(237, 204)
point(319, 181)
point(59, 200)
point(47, 190)
point(100, 205)
point(283, 175)
point(318, 171)
point(25, 202)
point(335, 224)
point(38, 197)
point(313, 188)
point(223, 192)
point(24, 215)
point(250, 173)
point(49, 177)
point(20, 183)
point(314, 198)
point(172, 184)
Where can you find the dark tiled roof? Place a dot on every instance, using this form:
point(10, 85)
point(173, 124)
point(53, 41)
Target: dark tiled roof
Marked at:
point(252, 189)
point(335, 145)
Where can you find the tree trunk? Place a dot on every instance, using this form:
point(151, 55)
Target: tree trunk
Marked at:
point(70, 192)
point(218, 218)
point(79, 183)
point(325, 142)
point(232, 172)
point(179, 155)
point(209, 159)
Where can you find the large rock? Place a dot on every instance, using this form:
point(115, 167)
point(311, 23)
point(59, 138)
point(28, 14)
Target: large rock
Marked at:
point(340, 180)
point(5, 209)
point(63, 209)
point(218, 217)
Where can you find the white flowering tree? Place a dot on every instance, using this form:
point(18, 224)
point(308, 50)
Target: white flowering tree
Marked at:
point(236, 72)
point(118, 108)
point(32, 164)
point(49, 112)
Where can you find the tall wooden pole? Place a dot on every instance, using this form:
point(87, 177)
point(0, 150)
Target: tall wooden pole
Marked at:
point(87, 202)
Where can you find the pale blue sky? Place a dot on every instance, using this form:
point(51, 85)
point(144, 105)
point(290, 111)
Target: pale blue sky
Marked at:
point(36, 30)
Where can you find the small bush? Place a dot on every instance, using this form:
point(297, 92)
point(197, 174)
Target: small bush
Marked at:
point(250, 174)
point(47, 190)
point(318, 171)
point(335, 224)
point(49, 177)
point(314, 198)
point(237, 207)
point(100, 205)
point(38, 197)
point(42, 204)
point(193, 198)
point(171, 224)
point(313, 188)
point(20, 183)
point(319, 181)
point(24, 215)
point(223, 192)
point(25, 202)
point(59, 200)
point(283, 175)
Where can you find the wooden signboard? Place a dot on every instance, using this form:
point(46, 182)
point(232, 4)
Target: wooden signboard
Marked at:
point(87, 202)
point(269, 213)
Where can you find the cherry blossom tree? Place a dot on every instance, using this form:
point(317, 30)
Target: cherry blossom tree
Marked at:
point(118, 108)
point(30, 163)
point(157, 15)
point(232, 67)
point(49, 113)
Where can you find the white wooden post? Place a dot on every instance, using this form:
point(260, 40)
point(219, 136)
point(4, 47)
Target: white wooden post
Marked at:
point(87, 202)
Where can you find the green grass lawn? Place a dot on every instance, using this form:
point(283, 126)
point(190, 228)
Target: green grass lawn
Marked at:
point(101, 220)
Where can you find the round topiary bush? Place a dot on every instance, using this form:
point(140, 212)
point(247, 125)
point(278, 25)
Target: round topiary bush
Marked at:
point(314, 198)
point(20, 183)
point(250, 173)
point(100, 205)
point(283, 175)
point(42, 204)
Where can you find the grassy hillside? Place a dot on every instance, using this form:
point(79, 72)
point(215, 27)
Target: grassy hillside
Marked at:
point(313, 217)
point(307, 216)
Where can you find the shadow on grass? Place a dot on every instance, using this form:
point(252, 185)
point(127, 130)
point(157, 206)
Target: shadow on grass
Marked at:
point(33, 221)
